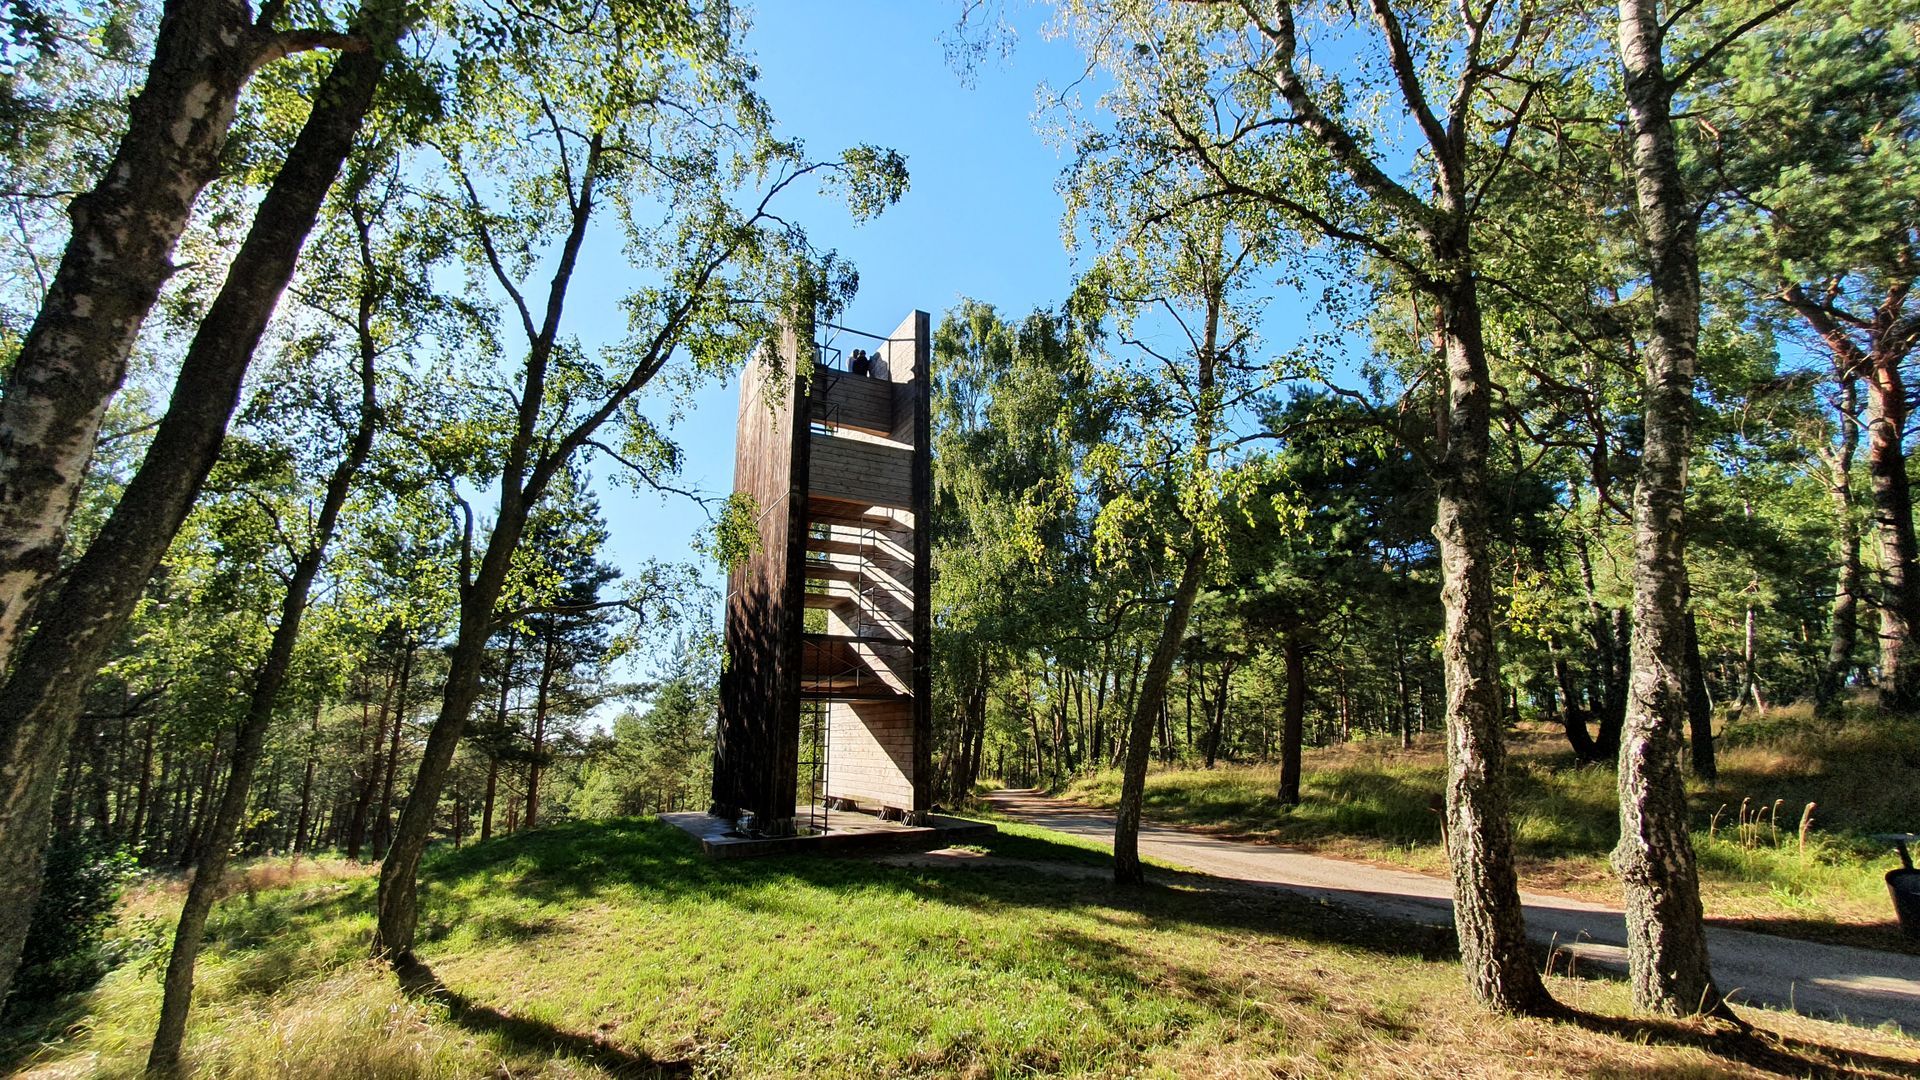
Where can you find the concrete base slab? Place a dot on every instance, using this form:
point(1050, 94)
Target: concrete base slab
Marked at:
point(848, 833)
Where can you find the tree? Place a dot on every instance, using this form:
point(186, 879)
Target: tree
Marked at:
point(42, 692)
point(1666, 934)
point(654, 116)
point(1811, 151)
point(1297, 144)
point(369, 313)
point(118, 255)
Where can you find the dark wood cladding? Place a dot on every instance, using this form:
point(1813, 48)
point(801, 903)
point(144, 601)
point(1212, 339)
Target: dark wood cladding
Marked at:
point(913, 424)
point(842, 475)
point(757, 741)
point(846, 400)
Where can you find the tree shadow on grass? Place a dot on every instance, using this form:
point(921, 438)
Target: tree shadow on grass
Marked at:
point(1776, 1053)
point(532, 1036)
point(575, 862)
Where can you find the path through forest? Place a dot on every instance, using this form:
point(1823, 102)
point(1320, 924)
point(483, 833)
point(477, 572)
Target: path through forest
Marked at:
point(1831, 981)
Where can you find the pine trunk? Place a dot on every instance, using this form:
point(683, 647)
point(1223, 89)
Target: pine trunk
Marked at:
point(1893, 519)
point(1487, 915)
point(1294, 720)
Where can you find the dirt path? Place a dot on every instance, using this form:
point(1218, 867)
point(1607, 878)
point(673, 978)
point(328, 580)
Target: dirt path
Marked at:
point(1829, 981)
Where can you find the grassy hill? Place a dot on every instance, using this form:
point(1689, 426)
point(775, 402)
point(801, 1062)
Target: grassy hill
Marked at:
point(1374, 801)
point(614, 948)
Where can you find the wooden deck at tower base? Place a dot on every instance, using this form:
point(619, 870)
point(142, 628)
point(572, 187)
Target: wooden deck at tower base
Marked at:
point(848, 833)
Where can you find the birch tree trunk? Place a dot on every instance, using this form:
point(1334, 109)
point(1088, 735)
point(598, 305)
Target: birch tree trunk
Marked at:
point(177, 994)
point(1666, 939)
point(40, 702)
point(118, 255)
point(1146, 712)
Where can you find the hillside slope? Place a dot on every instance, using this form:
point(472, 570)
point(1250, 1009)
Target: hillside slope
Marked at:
point(616, 949)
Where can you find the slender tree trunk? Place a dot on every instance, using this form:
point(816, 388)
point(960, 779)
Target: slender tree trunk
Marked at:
point(1573, 719)
point(1499, 963)
point(1666, 938)
point(370, 771)
point(1293, 732)
point(1843, 627)
point(1699, 707)
point(547, 668)
point(306, 784)
point(1127, 869)
point(383, 822)
point(143, 794)
point(493, 787)
point(190, 932)
point(397, 902)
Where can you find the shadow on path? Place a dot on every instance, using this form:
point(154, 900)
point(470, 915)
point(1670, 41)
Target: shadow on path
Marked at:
point(1752, 1046)
point(1830, 981)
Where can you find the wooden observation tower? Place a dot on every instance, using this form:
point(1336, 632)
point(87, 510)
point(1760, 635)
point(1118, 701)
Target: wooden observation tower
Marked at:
point(826, 692)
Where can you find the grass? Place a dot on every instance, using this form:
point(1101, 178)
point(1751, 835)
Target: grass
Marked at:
point(616, 949)
point(1375, 802)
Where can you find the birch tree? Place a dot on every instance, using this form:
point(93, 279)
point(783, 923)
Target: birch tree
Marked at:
point(1229, 87)
point(644, 115)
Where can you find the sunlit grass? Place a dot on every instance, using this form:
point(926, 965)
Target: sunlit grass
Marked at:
point(615, 948)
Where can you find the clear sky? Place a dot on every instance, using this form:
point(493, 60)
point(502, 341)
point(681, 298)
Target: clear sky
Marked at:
point(981, 218)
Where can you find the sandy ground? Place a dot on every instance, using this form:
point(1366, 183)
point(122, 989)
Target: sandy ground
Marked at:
point(1828, 981)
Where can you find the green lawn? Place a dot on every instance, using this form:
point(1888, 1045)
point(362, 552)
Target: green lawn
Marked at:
point(1374, 801)
point(616, 949)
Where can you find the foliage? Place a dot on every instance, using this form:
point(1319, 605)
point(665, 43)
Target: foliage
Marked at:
point(70, 944)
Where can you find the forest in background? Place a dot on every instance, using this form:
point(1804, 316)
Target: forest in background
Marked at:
point(344, 588)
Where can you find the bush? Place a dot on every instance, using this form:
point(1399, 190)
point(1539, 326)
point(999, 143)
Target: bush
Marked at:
point(68, 944)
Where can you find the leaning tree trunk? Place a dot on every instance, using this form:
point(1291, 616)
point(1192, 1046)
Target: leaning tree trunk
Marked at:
point(1843, 626)
point(190, 932)
point(397, 901)
point(1293, 722)
point(1146, 712)
point(119, 253)
point(1666, 938)
point(41, 699)
point(1487, 914)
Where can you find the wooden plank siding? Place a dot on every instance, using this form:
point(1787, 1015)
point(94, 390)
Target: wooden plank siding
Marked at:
point(757, 737)
point(839, 399)
point(876, 473)
point(842, 532)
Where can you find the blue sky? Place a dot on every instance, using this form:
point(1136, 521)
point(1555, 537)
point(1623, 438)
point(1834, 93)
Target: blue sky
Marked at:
point(981, 219)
